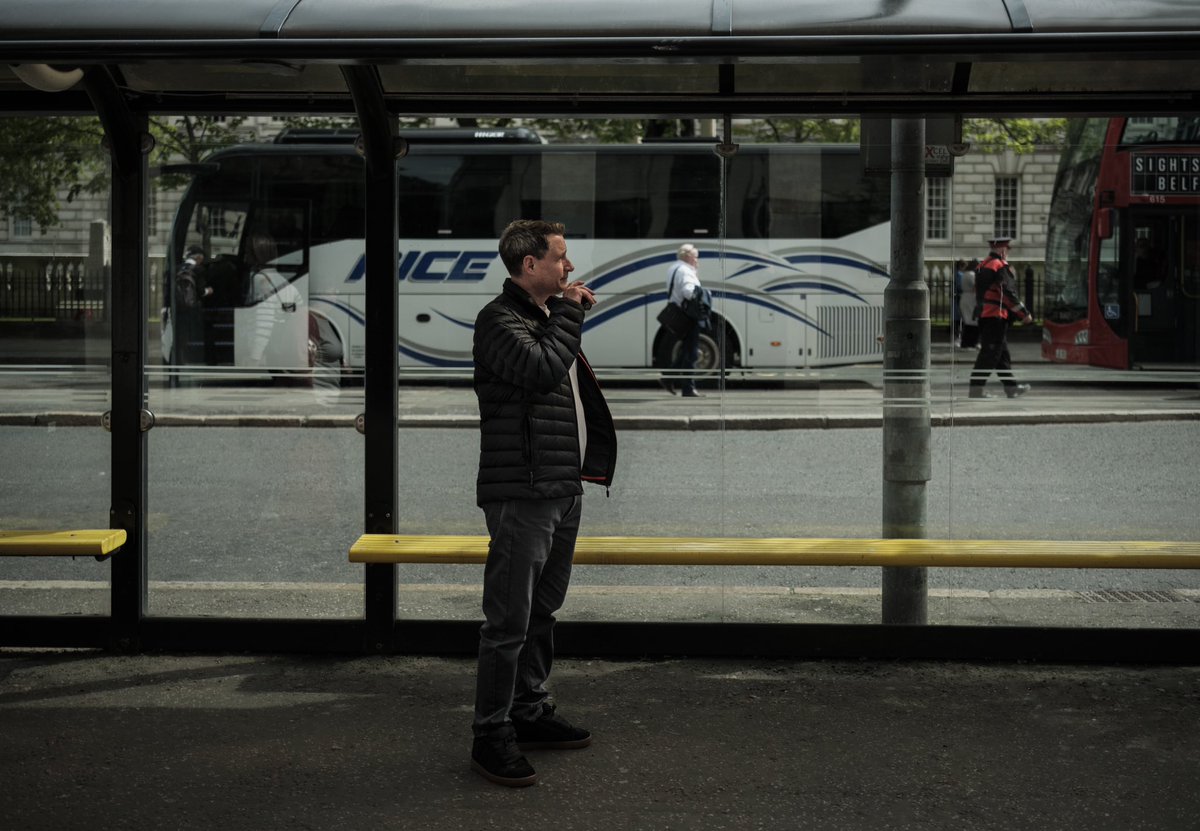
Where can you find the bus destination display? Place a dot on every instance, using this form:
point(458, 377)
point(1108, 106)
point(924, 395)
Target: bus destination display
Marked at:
point(1172, 174)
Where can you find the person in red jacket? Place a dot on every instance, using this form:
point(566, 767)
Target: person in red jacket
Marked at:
point(996, 306)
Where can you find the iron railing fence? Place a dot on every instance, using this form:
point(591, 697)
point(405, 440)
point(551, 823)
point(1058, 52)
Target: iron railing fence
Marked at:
point(60, 288)
point(939, 276)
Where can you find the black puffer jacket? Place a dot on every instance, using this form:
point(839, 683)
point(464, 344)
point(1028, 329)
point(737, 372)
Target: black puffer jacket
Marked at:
point(529, 443)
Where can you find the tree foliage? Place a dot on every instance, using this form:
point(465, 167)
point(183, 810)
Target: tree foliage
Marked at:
point(798, 130)
point(1024, 135)
point(187, 139)
point(41, 158)
point(45, 161)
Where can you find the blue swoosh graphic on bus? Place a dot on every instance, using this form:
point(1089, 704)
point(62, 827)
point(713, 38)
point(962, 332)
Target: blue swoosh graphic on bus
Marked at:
point(755, 262)
point(466, 324)
point(630, 268)
point(430, 359)
point(359, 271)
point(775, 307)
point(747, 270)
point(609, 311)
point(817, 285)
point(833, 259)
point(597, 318)
point(349, 311)
point(605, 314)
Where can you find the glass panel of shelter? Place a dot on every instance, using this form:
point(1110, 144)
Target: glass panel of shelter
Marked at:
point(255, 468)
point(55, 350)
point(255, 472)
point(1043, 465)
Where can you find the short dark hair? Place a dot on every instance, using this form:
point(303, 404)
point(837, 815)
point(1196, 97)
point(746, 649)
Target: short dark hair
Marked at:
point(261, 248)
point(526, 238)
point(193, 250)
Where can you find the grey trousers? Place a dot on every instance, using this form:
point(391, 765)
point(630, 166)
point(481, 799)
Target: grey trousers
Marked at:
point(524, 584)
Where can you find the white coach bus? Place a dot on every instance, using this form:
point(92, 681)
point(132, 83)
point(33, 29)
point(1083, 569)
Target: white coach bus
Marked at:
point(793, 242)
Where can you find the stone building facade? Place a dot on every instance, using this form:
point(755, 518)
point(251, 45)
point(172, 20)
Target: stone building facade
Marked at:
point(993, 193)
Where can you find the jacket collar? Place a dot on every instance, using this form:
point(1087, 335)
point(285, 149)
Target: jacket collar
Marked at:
point(521, 297)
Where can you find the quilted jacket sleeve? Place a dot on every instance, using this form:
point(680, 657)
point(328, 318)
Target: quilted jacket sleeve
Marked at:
point(527, 354)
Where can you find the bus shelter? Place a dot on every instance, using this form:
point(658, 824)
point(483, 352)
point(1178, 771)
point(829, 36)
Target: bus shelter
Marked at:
point(910, 70)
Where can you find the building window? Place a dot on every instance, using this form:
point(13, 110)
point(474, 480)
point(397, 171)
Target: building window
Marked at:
point(937, 209)
point(152, 212)
point(22, 227)
point(1007, 199)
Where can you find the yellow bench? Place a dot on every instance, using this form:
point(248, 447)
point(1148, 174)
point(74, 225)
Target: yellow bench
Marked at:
point(749, 551)
point(98, 543)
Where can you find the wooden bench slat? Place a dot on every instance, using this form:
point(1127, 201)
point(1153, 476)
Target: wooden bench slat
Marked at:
point(737, 551)
point(77, 543)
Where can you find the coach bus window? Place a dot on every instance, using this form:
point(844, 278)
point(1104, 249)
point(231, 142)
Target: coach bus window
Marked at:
point(568, 191)
point(695, 196)
point(217, 228)
point(852, 202)
point(746, 192)
point(623, 203)
point(1160, 130)
point(472, 192)
point(795, 186)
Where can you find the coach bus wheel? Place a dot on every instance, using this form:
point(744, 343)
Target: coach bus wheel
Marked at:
point(709, 357)
point(666, 348)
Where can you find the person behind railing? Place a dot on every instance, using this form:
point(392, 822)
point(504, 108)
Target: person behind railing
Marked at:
point(968, 336)
point(956, 302)
point(997, 305)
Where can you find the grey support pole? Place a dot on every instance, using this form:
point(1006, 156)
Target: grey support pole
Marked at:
point(906, 413)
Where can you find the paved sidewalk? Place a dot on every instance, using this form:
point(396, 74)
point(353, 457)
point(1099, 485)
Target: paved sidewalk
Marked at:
point(816, 399)
point(96, 742)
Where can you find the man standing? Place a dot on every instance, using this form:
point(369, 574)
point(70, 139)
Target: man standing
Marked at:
point(683, 283)
point(544, 429)
point(996, 302)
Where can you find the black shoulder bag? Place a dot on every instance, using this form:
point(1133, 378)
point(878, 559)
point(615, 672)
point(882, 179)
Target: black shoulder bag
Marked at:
point(673, 317)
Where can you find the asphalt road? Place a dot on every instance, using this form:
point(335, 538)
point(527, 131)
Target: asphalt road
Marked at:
point(255, 504)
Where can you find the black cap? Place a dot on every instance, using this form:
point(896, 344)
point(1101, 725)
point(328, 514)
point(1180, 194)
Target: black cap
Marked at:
point(193, 250)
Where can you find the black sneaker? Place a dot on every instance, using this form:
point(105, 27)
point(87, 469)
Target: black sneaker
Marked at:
point(497, 758)
point(550, 732)
point(666, 385)
point(978, 392)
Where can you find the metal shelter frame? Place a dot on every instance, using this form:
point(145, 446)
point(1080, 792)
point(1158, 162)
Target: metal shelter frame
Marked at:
point(380, 59)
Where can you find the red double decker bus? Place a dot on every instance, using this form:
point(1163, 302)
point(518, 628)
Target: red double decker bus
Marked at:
point(1123, 245)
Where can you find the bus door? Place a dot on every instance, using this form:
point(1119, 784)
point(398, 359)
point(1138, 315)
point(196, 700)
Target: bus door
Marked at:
point(1188, 287)
point(1161, 272)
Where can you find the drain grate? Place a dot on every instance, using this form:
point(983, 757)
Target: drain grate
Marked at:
point(1131, 596)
